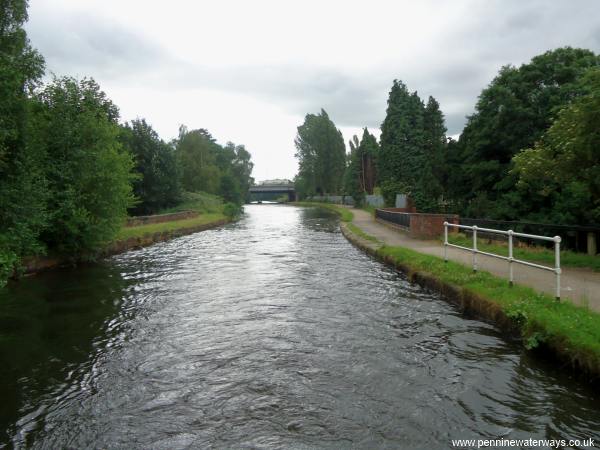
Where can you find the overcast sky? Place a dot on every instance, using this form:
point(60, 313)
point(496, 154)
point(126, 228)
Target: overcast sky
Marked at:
point(248, 71)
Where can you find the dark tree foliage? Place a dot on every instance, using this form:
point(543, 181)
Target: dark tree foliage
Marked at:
point(560, 175)
point(435, 152)
point(353, 180)
point(360, 171)
point(303, 186)
point(158, 184)
point(321, 154)
point(66, 166)
point(88, 172)
point(230, 189)
point(511, 114)
point(412, 147)
point(22, 184)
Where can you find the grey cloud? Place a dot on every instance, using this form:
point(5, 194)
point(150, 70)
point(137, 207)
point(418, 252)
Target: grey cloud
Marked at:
point(84, 45)
point(454, 68)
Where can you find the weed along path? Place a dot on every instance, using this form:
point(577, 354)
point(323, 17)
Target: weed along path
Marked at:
point(581, 286)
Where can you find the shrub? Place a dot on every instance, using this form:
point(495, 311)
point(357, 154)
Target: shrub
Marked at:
point(232, 210)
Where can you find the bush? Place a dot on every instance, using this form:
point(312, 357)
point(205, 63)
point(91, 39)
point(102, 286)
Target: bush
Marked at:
point(89, 174)
point(232, 210)
point(8, 260)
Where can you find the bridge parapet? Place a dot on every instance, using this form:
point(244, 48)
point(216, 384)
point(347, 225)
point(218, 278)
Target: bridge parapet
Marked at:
point(272, 192)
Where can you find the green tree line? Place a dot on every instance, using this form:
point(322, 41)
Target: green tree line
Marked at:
point(70, 172)
point(530, 151)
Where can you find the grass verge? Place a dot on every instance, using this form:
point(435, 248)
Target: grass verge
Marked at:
point(533, 254)
point(210, 207)
point(362, 234)
point(345, 214)
point(142, 230)
point(571, 332)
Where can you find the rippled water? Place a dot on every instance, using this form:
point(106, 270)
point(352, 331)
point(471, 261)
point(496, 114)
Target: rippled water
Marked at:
point(273, 332)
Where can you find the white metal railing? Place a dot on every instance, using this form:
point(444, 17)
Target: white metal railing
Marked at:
point(511, 260)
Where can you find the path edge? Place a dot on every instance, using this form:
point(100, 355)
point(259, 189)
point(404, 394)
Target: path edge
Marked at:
point(476, 305)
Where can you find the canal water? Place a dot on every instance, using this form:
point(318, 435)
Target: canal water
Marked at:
point(273, 332)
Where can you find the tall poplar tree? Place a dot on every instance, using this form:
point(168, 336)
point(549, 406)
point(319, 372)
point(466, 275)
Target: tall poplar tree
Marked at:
point(401, 156)
point(360, 172)
point(322, 155)
point(434, 172)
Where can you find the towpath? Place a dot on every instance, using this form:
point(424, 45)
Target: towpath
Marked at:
point(581, 286)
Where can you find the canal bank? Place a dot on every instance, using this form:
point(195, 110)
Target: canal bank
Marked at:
point(133, 237)
point(570, 333)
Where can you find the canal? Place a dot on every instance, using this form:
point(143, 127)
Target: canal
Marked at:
point(273, 332)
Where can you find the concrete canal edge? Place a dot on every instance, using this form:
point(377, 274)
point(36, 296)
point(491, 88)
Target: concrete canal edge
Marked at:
point(42, 263)
point(486, 309)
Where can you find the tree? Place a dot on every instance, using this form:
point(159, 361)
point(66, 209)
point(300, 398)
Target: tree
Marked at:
point(158, 185)
point(360, 171)
point(512, 113)
point(563, 168)
point(402, 162)
point(22, 183)
point(434, 129)
point(235, 161)
point(370, 153)
point(302, 187)
point(89, 174)
point(321, 154)
point(196, 152)
point(230, 189)
point(353, 177)
point(207, 166)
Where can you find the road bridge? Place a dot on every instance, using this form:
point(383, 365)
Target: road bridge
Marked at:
point(273, 190)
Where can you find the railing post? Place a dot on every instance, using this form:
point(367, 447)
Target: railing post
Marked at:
point(557, 265)
point(510, 257)
point(445, 241)
point(474, 248)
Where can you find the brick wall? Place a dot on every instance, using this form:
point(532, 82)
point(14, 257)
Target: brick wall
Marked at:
point(429, 226)
point(418, 225)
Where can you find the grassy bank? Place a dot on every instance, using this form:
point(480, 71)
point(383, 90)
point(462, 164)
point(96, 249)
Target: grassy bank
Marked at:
point(569, 331)
point(533, 254)
point(143, 230)
point(210, 209)
point(344, 213)
point(212, 212)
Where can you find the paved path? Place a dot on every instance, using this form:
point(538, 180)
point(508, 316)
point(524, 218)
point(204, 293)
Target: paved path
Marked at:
point(581, 286)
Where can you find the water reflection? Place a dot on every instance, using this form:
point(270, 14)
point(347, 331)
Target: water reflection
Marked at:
point(50, 325)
